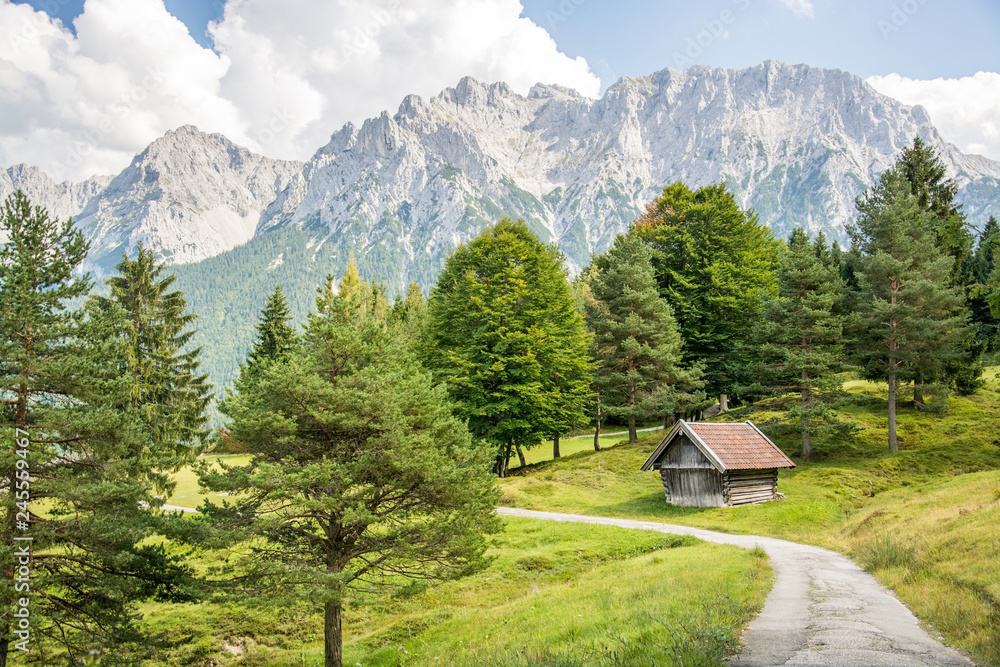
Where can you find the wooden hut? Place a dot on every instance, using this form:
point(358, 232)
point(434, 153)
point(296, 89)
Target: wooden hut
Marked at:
point(717, 465)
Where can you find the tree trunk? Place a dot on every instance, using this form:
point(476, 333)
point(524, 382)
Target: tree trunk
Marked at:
point(893, 443)
point(918, 395)
point(520, 455)
point(632, 434)
point(806, 402)
point(333, 640)
point(597, 429)
point(503, 462)
point(555, 446)
point(723, 402)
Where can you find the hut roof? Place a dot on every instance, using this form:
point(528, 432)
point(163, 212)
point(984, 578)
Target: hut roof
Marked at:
point(727, 446)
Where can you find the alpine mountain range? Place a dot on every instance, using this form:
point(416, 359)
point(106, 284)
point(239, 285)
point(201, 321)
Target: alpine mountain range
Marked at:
point(797, 144)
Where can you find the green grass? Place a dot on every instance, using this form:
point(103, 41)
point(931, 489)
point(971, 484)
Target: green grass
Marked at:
point(555, 594)
point(923, 520)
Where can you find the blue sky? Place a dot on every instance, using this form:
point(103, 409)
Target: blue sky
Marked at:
point(919, 39)
point(106, 77)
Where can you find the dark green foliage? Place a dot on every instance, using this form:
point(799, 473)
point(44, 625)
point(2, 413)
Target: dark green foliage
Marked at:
point(911, 322)
point(95, 463)
point(275, 336)
point(801, 336)
point(155, 350)
point(714, 263)
point(641, 375)
point(983, 272)
point(361, 475)
point(504, 334)
point(935, 195)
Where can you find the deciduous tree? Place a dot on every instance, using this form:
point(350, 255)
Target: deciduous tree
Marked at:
point(714, 263)
point(504, 335)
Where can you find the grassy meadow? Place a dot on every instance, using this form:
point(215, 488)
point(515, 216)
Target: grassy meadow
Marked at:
point(554, 594)
point(924, 520)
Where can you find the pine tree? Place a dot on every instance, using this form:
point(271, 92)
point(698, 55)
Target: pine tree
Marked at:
point(275, 336)
point(714, 263)
point(801, 336)
point(167, 387)
point(504, 334)
point(935, 194)
point(912, 321)
point(638, 344)
point(361, 477)
point(91, 473)
point(983, 271)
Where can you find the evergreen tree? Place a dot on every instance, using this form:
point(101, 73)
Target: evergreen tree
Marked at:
point(935, 194)
point(361, 475)
point(983, 271)
point(275, 336)
point(91, 474)
point(912, 321)
point(504, 334)
point(409, 313)
point(801, 335)
point(714, 262)
point(156, 336)
point(637, 341)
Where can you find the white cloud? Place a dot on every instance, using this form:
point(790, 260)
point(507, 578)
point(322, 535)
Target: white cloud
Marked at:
point(801, 8)
point(965, 111)
point(285, 73)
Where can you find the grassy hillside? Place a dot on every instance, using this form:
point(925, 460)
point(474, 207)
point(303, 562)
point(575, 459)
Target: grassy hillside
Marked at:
point(923, 520)
point(555, 594)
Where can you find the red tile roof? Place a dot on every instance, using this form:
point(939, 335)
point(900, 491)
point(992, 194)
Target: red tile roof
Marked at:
point(730, 446)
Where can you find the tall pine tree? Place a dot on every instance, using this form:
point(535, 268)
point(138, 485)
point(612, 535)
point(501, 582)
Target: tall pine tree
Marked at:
point(361, 475)
point(156, 351)
point(714, 263)
point(983, 271)
point(275, 336)
point(912, 322)
point(801, 336)
point(641, 374)
point(94, 468)
point(935, 194)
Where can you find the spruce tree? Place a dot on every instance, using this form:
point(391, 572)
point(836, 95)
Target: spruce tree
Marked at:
point(714, 263)
point(935, 194)
point(912, 321)
point(801, 335)
point(361, 475)
point(641, 374)
point(983, 272)
point(275, 336)
point(156, 351)
point(504, 335)
point(92, 472)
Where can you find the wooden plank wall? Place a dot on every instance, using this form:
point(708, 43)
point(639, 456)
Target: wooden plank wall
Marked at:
point(742, 487)
point(692, 487)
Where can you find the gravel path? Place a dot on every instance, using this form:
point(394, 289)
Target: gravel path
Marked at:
point(823, 609)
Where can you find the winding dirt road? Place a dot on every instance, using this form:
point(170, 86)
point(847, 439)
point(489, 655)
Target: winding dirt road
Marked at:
point(823, 609)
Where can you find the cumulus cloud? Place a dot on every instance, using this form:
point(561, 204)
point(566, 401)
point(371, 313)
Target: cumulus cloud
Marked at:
point(965, 111)
point(801, 8)
point(284, 74)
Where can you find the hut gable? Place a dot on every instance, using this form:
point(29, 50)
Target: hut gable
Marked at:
point(727, 446)
point(716, 465)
